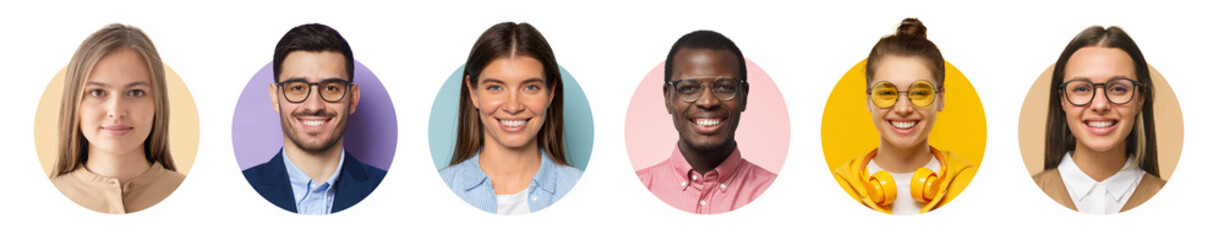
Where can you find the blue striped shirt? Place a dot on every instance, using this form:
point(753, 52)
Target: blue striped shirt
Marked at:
point(310, 197)
point(549, 184)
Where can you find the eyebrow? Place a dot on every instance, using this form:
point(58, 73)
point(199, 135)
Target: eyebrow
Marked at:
point(326, 79)
point(129, 85)
point(529, 80)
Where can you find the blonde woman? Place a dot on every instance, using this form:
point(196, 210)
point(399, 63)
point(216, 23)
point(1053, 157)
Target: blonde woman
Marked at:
point(114, 153)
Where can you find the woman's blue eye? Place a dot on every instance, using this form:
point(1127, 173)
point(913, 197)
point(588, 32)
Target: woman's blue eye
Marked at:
point(493, 87)
point(532, 87)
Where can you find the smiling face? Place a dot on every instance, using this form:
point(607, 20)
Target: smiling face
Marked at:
point(117, 105)
point(708, 122)
point(512, 100)
point(1101, 125)
point(314, 125)
point(904, 125)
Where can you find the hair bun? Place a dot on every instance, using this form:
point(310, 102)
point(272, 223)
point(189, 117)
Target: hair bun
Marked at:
point(911, 27)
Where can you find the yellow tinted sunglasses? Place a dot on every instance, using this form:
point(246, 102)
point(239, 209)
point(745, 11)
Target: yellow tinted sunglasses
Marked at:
point(921, 93)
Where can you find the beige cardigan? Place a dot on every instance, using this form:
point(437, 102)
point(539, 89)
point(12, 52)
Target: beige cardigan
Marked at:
point(106, 195)
point(1051, 182)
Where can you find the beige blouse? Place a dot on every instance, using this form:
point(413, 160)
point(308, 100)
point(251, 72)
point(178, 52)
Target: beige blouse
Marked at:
point(106, 195)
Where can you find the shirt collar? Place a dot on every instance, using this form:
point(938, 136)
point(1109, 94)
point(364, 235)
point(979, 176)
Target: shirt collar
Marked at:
point(545, 177)
point(724, 172)
point(155, 169)
point(1079, 183)
point(299, 179)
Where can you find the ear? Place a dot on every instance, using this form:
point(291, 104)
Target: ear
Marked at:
point(552, 93)
point(356, 96)
point(1142, 99)
point(744, 100)
point(471, 91)
point(939, 102)
point(274, 97)
point(667, 100)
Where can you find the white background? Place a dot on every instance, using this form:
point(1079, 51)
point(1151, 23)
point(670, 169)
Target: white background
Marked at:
point(608, 46)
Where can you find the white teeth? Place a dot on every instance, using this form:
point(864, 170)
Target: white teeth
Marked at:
point(903, 125)
point(1101, 124)
point(707, 122)
point(513, 123)
point(313, 123)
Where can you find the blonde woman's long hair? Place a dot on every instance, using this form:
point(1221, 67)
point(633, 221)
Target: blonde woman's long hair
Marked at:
point(73, 147)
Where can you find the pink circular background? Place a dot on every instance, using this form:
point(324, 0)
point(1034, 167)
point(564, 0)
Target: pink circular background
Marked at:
point(763, 134)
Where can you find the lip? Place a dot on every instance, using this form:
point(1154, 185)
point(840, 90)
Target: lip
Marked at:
point(313, 124)
point(707, 125)
point(512, 125)
point(1105, 126)
point(912, 123)
point(117, 130)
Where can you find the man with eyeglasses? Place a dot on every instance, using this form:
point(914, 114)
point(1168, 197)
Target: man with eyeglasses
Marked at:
point(314, 93)
point(705, 90)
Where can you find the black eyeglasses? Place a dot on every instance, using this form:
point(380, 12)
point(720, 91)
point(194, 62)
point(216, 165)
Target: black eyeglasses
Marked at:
point(330, 90)
point(1118, 91)
point(723, 88)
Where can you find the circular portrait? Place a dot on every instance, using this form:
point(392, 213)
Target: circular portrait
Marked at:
point(692, 137)
point(314, 131)
point(511, 132)
point(105, 131)
point(1101, 131)
point(880, 132)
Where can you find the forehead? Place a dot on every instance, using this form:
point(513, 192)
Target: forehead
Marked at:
point(314, 66)
point(1099, 64)
point(120, 67)
point(902, 70)
point(513, 69)
point(693, 62)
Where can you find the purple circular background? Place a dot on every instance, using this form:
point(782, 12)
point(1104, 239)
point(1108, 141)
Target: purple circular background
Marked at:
point(371, 130)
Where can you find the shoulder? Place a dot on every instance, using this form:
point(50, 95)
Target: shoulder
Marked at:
point(261, 170)
point(463, 174)
point(1147, 188)
point(649, 173)
point(370, 170)
point(1048, 177)
point(756, 171)
point(567, 176)
point(956, 163)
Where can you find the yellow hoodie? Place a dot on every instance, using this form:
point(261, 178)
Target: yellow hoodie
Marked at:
point(851, 178)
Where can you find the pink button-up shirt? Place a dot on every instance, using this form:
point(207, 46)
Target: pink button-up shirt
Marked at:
point(731, 185)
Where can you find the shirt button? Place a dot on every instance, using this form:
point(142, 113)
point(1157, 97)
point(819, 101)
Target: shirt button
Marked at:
point(533, 198)
point(702, 202)
point(682, 183)
point(723, 186)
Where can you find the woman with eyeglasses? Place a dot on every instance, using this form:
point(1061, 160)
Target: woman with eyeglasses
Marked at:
point(905, 174)
point(114, 151)
point(510, 151)
point(1100, 151)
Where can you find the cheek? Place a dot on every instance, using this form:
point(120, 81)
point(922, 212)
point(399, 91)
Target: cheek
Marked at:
point(487, 105)
point(537, 105)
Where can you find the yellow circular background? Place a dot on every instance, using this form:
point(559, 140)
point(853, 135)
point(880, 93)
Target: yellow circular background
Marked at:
point(847, 131)
point(184, 122)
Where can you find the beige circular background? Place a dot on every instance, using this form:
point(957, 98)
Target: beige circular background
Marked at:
point(1169, 129)
point(184, 122)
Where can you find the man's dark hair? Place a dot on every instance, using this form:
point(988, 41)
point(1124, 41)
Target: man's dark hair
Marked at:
point(312, 37)
point(704, 39)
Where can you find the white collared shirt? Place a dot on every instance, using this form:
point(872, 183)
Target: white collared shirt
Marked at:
point(904, 204)
point(1104, 197)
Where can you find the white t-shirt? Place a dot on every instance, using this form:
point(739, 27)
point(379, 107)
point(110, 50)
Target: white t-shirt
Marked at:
point(1104, 197)
point(905, 204)
point(513, 204)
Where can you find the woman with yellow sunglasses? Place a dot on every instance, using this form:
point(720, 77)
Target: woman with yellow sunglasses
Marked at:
point(905, 174)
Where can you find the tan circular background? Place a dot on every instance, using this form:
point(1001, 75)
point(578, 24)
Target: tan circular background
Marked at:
point(1169, 129)
point(184, 122)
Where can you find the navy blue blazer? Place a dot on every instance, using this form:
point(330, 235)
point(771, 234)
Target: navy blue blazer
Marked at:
point(356, 181)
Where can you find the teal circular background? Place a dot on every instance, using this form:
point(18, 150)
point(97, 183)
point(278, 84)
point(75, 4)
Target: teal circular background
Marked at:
point(444, 118)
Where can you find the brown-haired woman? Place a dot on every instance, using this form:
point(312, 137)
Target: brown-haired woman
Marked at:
point(509, 153)
point(905, 79)
point(1100, 152)
point(114, 153)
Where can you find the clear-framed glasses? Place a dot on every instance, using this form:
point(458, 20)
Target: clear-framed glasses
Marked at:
point(1118, 91)
point(884, 94)
point(723, 88)
point(330, 90)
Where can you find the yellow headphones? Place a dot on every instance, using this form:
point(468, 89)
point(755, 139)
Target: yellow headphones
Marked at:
point(882, 189)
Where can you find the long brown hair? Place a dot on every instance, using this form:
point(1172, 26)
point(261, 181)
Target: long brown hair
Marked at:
point(73, 147)
point(1141, 142)
point(502, 40)
point(909, 41)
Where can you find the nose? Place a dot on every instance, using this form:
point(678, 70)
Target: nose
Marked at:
point(706, 99)
point(514, 104)
point(115, 108)
point(904, 106)
point(313, 103)
point(1100, 102)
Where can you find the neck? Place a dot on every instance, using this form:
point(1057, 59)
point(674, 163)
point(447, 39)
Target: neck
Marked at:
point(509, 168)
point(898, 159)
point(123, 166)
point(1099, 164)
point(318, 165)
point(703, 161)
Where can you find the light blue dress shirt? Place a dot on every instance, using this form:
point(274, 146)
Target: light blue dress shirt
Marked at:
point(312, 198)
point(549, 184)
